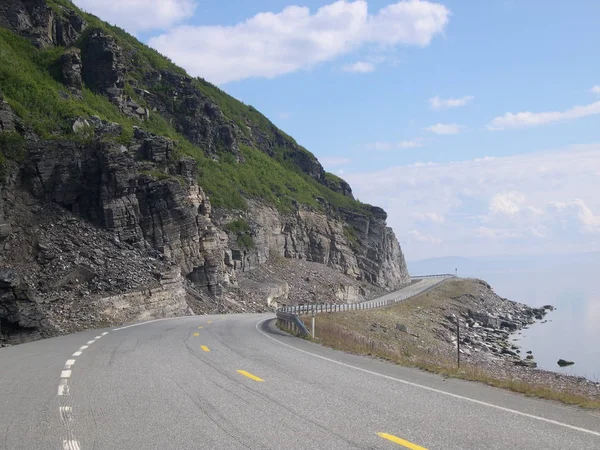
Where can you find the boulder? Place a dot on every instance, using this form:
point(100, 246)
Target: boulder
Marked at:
point(526, 363)
point(510, 325)
point(79, 125)
point(401, 327)
point(564, 363)
point(487, 320)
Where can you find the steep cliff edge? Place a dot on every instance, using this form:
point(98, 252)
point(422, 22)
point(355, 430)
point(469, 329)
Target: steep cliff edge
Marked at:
point(131, 190)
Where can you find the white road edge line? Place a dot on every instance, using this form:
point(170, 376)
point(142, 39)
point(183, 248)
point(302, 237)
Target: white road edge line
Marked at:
point(105, 333)
point(98, 337)
point(78, 353)
point(427, 388)
point(82, 348)
point(69, 363)
point(149, 321)
point(90, 342)
point(65, 374)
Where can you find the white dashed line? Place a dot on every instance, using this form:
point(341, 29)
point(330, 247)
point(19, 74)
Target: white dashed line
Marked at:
point(66, 413)
point(71, 444)
point(63, 389)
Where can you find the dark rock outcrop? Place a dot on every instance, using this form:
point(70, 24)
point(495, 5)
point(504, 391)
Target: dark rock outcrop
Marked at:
point(103, 66)
point(41, 24)
point(340, 186)
point(20, 317)
point(104, 71)
point(70, 70)
point(193, 114)
point(7, 117)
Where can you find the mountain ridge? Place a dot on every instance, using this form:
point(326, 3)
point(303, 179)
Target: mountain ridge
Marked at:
point(193, 184)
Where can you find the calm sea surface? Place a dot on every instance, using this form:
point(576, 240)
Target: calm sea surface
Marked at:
point(573, 330)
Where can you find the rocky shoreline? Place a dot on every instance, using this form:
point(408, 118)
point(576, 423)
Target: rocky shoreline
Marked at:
point(422, 332)
point(488, 326)
point(488, 329)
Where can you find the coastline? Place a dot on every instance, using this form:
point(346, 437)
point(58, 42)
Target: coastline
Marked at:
point(421, 332)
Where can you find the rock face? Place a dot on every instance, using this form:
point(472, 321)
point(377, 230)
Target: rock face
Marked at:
point(105, 184)
point(20, 317)
point(83, 204)
point(104, 71)
point(40, 23)
point(375, 256)
point(7, 117)
point(70, 70)
point(193, 114)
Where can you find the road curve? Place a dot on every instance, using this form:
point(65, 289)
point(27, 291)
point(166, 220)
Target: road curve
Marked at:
point(236, 382)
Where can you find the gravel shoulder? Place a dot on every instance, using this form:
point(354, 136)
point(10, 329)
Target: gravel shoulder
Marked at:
point(421, 332)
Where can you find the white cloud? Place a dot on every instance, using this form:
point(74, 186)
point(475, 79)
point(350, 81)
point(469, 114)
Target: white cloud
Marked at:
point(140, 15)
point(438, 103)
point(386, 146)
point(535, 202)
point(529, 119)
point(428, 217)
point(359, 67)
point(272, 44)
point(445, 128)
point(577, 208)
point(508, 203)
point(420, 237)
point(596, 89)
point(495, 233)
point(333, 161)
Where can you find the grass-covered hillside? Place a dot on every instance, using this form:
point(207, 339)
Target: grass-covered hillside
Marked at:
point(30, 83)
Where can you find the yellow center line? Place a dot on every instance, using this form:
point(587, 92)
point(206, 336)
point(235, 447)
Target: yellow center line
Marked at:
point(205, 348)
point(249, 375)
point(210, 321)
point(402, 442)
point(196, 334)
point(199, 328)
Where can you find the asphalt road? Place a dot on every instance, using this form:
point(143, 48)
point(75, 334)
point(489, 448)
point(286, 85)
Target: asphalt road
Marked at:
point(411, 290)
point(170, 384)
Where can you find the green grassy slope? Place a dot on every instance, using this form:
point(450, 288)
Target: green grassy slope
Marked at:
point(29, 82)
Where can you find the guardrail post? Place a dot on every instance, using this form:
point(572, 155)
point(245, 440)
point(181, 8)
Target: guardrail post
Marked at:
point(313, 325)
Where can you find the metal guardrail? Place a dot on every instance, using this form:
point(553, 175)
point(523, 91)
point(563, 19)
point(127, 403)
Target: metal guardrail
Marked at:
point(289, 315)
point(445, 275)
point(292, 322)
point(338, 307)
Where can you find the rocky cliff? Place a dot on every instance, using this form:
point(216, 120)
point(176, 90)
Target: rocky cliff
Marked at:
point(129, 189)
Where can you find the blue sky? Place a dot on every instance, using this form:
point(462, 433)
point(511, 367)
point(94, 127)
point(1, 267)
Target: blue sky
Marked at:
point(354, 81)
